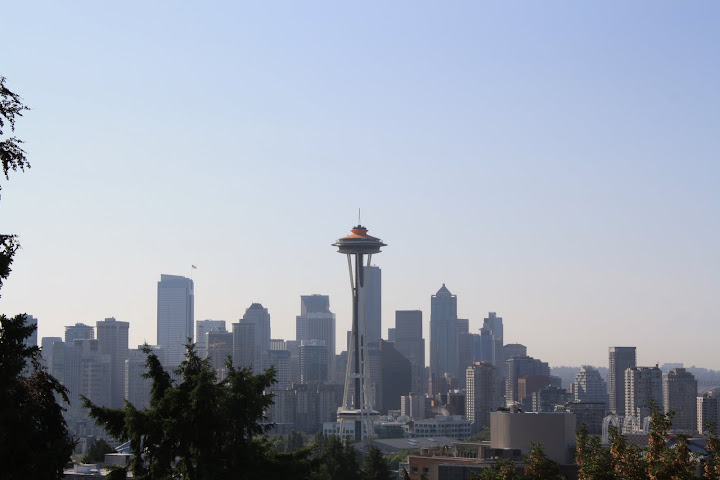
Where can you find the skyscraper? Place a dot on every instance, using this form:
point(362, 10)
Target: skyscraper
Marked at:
point(443, 333)
point(251, 338)
point(313, 361)
point(31, 341)
point(589, 386)
point(481, 396)
point(642, 386)
point(621, 358)
point(395, 376)
point(708, 413)
point(317, 322)
point(175, 316)
point(113, 339)
point(520, 366)
point(494, 325)
point(410, 342)
point(373, 303)
point(680, 396)
point(79, 331)
point(201, 329)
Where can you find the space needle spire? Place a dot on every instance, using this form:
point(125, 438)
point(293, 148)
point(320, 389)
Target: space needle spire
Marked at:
point(357, 402)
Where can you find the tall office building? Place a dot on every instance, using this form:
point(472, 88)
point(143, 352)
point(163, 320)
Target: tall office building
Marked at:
point(463, 326)
point(642, 386)
point(520, 366)
point(372, 305)
point(481, 396)
point(621, 358)
point(589, 386)
point(280, 360)
point(175, 316)
point(113, 339)
point(86, 371)
point(201, 328)
point(444, 333)
point(680, 396)
point(494, 326)
point(410, 342)
point(218, 347)
point(317, 322)
point(137, 387)
point(47, 351)
point(79, 331)
point(32, 340)
point(395, 376)
point(513, 350)
point(251, 338)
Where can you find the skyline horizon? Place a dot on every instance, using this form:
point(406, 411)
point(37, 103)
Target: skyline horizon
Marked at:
point(556, 163)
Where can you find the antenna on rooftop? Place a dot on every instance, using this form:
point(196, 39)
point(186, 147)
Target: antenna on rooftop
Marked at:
point(359, 222)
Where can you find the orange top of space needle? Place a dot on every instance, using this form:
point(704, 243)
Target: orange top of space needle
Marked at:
point(359, 242)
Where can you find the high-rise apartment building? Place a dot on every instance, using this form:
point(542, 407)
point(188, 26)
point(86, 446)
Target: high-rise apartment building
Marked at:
point(410, 342)
point(589, 386)
point(621, 358)
point(175, 317)
point(317, 322)
point(481, 396)
point(314, 363)
point(112, 336)
point(708, 413)
point(201, 329)
point(79, 331)
point(444, 355)
point(372, 303)
point(643, 385)
point(520, 366)
point(680, 396)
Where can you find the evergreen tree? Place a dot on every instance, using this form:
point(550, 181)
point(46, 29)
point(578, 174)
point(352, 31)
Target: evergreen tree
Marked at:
point(96, 452)
point(375, 466)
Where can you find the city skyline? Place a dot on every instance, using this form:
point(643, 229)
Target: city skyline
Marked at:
point(557, 166)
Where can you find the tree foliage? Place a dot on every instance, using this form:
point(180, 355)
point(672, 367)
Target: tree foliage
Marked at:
point(12, 156)
point(539, 466)
point(34, 441)
point(96, 452)
point(375, 465)
point(197, 428)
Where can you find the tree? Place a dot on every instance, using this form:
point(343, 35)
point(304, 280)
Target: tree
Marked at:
point(375, 466)
point(539, 466)
point(198, 428)
point(482, 436)
point(339, 460)
point(34, 441)
point(12, 156)
point(96, 452)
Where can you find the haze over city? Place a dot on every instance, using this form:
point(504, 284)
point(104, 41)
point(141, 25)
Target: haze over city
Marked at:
point(558, 166)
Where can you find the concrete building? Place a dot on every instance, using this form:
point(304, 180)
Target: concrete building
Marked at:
point(444, 356)
point(280, 359)
point(453, 426)
point(519, 366)
point(680, 396)
point(314, 363)
point(555, 431)
point(112, 336)
point(317, 322)
point(708, 412)
point(621, 358)
point(201, 329)
point(175, 317)
point(481, 395)
point(413, 406)
point(589, 386)
point(642, 386)
point(79, 331)
point(409, 341)
point(589, 413)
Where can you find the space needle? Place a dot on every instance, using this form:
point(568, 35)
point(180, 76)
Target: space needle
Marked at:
point(357, 404)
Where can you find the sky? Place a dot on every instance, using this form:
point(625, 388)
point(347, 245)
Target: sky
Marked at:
point(554, 162)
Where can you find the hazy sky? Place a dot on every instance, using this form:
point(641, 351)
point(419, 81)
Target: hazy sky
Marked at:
point(555, 162)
